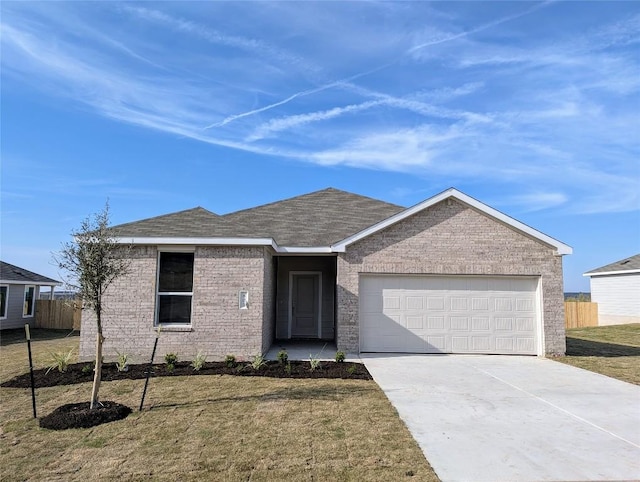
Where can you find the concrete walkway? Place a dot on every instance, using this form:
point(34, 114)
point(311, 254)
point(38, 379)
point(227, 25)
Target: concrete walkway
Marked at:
point(511, 418)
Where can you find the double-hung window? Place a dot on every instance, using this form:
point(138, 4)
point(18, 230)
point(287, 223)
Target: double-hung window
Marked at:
point(175, 288)
point(29, 300)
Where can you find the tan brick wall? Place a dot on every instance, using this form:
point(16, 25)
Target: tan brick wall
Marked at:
point(450, 238)
point(218, 325)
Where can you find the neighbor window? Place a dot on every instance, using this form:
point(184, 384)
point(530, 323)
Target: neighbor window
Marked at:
point(29, 300)
point(4, 293)
point(175, 287)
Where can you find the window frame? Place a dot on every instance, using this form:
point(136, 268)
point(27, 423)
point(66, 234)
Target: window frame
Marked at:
point(174, 325)
point(33, 302)
point(3, 316)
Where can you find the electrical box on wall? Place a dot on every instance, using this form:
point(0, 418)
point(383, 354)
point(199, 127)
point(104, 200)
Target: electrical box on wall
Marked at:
point(243, 299)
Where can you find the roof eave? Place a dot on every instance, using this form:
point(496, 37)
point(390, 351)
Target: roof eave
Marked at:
point(607, 273)
point(26, 283)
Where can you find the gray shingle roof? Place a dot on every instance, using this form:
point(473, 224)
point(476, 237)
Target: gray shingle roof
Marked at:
point(316, 219)
point(10, 272)
point(626, 264)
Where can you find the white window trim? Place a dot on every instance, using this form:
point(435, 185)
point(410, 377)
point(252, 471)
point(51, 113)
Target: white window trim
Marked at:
point(319, 275)
point(6, 303)
point(173, 326)
point(33, 301)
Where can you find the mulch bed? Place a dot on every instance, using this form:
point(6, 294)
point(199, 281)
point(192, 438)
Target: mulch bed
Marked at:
point(82, 372)
point(79, 415)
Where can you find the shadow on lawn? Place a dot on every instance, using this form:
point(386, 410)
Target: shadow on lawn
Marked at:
point(580, 347)
point(292, 393)
point(17, 335)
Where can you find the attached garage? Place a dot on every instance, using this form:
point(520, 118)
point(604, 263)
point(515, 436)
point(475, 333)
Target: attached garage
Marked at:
point(450, 314)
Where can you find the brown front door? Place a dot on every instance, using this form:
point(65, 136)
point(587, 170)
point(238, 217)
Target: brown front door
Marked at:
point(305, 305)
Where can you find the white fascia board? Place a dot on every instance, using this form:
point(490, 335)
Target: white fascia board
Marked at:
point(32, 283)
point(198, 241)
point(607, 273)
point(303, 250)
point(561, 248)
point(225, 242)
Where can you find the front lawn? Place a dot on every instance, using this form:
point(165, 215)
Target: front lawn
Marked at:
point(209, 427)
point(610, 350)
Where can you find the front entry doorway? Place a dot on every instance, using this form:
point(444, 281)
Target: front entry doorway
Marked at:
point(304, 304)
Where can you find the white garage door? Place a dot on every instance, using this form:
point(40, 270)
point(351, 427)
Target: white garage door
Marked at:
point(448, 314)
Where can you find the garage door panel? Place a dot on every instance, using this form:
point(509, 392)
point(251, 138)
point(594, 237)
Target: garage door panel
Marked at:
point(448, 314)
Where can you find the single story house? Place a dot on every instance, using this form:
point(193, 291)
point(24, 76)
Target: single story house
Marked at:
point(616, 289)
point(448, 275)
point(19, 290)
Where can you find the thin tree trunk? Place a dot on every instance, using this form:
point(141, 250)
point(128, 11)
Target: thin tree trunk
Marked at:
point(97, 377)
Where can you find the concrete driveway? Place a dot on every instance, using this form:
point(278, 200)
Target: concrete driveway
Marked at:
point(512, 418)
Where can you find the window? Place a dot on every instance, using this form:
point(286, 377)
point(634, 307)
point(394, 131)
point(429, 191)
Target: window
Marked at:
point(175, 287)
point(29, 299)
point(4, 293)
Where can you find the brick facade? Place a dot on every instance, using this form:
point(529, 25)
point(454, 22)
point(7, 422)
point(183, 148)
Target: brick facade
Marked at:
point(450, 238)
point(218, 325)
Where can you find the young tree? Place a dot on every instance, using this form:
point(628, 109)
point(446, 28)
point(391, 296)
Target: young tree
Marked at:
point(93, 260)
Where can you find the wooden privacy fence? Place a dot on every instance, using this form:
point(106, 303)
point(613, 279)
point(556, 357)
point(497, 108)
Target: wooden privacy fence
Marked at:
point(58, 314)
point(578, 314)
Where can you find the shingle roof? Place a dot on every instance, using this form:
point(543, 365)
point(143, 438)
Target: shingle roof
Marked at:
point(9, 272)
point(626, 264)
point(316, 219)
point(320, 218)
point(196, 222)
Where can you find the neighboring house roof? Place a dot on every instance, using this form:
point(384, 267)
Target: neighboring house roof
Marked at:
point(11, 274)
point(624, 266)
point(322, 222)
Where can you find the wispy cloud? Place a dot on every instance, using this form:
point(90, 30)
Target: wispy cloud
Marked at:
point(495, 100)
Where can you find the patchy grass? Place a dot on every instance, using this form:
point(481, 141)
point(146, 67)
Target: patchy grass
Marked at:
point(610, 350)
point(208, 428)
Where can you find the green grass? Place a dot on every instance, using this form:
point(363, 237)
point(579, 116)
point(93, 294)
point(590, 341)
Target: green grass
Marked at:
point(610, 350)
point(207, 428)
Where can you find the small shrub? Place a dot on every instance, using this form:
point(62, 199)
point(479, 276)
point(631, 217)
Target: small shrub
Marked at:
point(314, 363)
point(258, 362)
point(60, 360)
point(340, 356)
point(198, 361)
point(352, 369)
point(170, 359)
point(87, 369)
point(230, 361)
point(123, 362)
point(287, 368)
point(283, 356)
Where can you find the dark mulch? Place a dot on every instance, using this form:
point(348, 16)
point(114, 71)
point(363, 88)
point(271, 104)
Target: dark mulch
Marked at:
point(82, 372)
point(79, 415)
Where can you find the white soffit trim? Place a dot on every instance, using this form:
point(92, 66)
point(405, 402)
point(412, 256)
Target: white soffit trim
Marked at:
point(31, 283)
point(607, 273)
point(198, 241)
point(174, 243)
point(454, 193)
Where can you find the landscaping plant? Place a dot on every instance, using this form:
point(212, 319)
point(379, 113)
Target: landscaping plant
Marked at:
point(230, 361)
point(122, 364)
point(314, 363)
point(283, 356)
point(93, 260)
point(258, 362)
point(198, 361)
point(340, 356)
point(171, 359)
point(60, 360)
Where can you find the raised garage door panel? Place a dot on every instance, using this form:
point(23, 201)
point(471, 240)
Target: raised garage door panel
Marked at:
point(448, 314)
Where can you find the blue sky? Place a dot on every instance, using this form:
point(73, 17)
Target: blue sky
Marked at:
point(532, 108)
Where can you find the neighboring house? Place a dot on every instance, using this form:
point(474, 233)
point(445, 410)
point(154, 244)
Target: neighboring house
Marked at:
point(616, 289)
point(19, 290)
point(448, 275)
